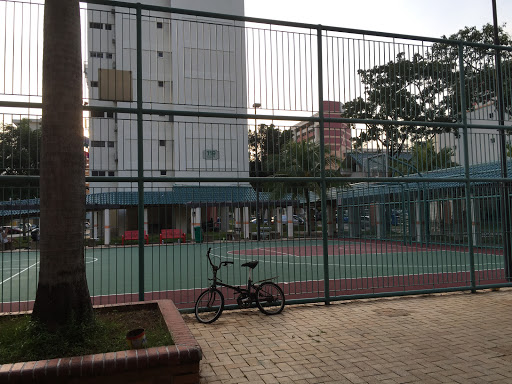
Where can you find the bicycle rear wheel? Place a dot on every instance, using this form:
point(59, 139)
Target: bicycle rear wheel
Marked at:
point(270, 298)
point(209, 305)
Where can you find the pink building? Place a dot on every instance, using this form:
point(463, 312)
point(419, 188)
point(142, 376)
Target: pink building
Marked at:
point(337, 135)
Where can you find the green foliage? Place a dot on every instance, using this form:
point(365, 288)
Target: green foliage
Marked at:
point(425, 86)
point(300, 159)
point(508, 147)
point(425, 158)
point(22, 339)
point(19, 149)
point(267, 141)
point(472, 55)
point(404, 89)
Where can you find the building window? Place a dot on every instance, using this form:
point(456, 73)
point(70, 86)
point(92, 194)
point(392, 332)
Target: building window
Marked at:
point(110, 144)
point(94, 84)
point(111, 173)
point(97, 113)
point(95, 25)
point(110, 114)
point(161, 84)
point(97, 144)
point(98, 173)
point(159, 25)
point(162, 143)
point(163, 173)
point(160, 54)
point(108, 27)
point(97, 54)
point(109, 55)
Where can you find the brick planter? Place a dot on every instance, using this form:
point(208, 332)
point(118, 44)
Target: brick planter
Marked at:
point(177, 363)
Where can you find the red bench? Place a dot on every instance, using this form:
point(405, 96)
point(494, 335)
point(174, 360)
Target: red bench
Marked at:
point(133, 235)
point(172, 234)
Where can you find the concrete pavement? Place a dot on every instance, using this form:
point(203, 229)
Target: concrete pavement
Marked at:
point(439, 338)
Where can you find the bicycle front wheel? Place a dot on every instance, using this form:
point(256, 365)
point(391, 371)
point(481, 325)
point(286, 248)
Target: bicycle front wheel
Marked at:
point(209, 305)
point(270, 298)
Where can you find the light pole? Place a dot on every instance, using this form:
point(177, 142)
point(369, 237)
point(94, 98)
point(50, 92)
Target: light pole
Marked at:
point(258, 222)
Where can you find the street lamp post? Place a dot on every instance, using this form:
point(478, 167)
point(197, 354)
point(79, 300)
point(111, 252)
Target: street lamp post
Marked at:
point(258, 221)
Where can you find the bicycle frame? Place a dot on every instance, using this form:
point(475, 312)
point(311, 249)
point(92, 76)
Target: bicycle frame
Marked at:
point(251, 287)
point(268, 296)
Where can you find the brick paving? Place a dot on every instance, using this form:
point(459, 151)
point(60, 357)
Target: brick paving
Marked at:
point(441, 338)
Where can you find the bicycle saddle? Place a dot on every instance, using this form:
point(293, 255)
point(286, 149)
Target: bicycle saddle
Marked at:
point(250, 264)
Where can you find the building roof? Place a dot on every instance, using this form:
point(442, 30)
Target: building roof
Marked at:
point(486, 170)
point(178, 195)
point(362, 158)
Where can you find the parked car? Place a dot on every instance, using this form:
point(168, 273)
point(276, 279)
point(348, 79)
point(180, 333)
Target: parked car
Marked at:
point(12, 232)
point(262, 221)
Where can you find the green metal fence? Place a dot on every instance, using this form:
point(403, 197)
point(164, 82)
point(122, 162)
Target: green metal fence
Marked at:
point(350, 163)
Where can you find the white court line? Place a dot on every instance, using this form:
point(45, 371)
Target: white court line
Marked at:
point(19, 273)
point(27, 268)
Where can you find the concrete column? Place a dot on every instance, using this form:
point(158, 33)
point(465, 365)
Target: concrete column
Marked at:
point(107, 226)
point(354, 222)
point(95, 221)
point(195, 220)
point(289, 216)
point(458, 222)
point(279, 221)
point(419, 220)
point(330, 221)
point(475, 221)
point(224, 219)
point(238, 220)
point(146, 220)
point(247, 218)
point(380, 221)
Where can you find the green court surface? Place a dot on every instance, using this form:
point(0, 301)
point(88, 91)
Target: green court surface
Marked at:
point(115, 270)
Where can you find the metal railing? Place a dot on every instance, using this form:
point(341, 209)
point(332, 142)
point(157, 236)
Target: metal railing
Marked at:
point(351, 163)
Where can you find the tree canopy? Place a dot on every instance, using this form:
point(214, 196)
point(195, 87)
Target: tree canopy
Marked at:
point(300, 159)
point(20, 149)
point(267, 141)
point(423, 85)
point(425, 158)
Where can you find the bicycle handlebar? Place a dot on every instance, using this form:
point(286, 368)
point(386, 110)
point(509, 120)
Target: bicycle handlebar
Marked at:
point(221, 263)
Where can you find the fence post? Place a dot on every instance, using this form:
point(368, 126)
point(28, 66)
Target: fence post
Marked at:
point(469, 227)
point(505, 197)
point(140, 155)
point(323, 184)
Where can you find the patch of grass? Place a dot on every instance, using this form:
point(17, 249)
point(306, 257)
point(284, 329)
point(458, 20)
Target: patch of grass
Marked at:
point(24, 340)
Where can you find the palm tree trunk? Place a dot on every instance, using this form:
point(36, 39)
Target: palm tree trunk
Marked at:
point(62, 293)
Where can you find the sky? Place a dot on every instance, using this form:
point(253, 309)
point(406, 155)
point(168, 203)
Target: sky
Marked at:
point(432, 18)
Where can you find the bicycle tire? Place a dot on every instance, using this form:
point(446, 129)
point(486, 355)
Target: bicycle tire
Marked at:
point(270, 298)
point(209, 305)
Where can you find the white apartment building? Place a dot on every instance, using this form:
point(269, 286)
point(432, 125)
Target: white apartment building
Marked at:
point(188, 63)
point(483, 143)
